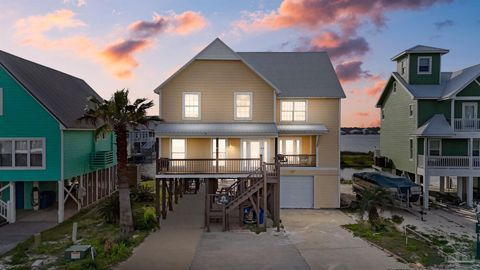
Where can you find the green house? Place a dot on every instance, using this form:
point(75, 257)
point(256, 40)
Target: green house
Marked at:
point(430, 127)
point(48, 158)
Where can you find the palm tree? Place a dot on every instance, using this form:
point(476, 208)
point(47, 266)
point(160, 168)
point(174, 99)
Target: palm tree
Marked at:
point(373, 200)
point(116, 115)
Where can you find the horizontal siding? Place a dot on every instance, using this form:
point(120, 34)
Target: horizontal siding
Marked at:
point(24, 117)
point(78, 146)
point(472, 90)
point(396, 129)
point(217, 81)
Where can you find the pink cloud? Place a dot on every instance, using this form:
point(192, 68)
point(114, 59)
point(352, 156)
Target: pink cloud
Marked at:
point(118, 57)
point(351, 71)
point(362, 114)
point(376, 88)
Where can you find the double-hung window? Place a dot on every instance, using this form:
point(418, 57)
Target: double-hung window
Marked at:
point(191, 105)
point(243, 106)
point(22, 153)
point(293, 111)
point(434, 147)
point(222, 151)
point(403, 68)
point(424, 65)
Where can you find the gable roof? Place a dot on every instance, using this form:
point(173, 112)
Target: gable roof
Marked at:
point(297, 74)
point(435, 126)
point(451, 83)
point(291, 74)
point(420, 49)
point(63, 95)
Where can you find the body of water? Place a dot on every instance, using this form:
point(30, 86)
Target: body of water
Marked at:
point(358, 143)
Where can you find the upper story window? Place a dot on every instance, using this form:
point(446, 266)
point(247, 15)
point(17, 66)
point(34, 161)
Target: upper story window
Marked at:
point(434, 147)
point(424, 65)
point(410, 146)
point(22, 153)
point(293, 110)
point(403, 67)
point(383, 114)
point(410, 110)
point(191, 105)
point(394, 87)
point(243, 106)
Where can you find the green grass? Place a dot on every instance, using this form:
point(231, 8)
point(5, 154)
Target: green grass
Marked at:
point(416, 251)
point(356, 160)
point(149, 183)
point(91, 230)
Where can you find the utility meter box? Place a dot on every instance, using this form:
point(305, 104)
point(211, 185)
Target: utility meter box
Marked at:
point(77, 252)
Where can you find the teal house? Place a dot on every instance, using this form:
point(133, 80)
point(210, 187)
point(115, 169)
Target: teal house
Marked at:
point(430, 126)
point(48, 158)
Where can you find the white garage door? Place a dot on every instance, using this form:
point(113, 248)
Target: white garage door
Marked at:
point(296, 192)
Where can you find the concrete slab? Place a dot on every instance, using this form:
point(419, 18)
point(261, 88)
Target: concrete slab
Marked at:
point(174, 245)
point(325, 245)
point(12, 234)
point(246, 250)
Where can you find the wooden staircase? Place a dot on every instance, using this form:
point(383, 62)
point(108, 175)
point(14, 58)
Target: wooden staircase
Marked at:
point(250, 191)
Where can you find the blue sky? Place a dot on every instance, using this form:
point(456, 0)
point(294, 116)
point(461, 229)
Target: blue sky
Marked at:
point(99, 41)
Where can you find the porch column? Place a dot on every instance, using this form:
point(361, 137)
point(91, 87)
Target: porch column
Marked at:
point(13, 203)
point(61, 203)
point(460, 188)
point(276, 148)
point(470, 191)
point(426, 189)
point(442, 183)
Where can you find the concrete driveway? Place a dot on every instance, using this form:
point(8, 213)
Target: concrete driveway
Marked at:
point(325, 245)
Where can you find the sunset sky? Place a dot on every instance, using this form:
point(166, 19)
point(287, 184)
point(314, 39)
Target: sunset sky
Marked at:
point(138, 44)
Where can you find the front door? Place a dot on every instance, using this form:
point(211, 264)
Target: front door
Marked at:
point(19, 195)
point(254, 148)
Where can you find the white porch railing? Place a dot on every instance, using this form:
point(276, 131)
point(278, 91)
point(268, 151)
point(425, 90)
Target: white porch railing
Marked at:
point(466, 125)
point(4, 210)
point(448, 161)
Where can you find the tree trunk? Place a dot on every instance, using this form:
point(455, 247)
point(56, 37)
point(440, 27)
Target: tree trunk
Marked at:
point(373, 218)
point(126, 219)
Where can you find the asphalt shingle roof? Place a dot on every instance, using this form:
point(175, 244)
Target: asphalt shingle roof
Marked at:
point(63, 95)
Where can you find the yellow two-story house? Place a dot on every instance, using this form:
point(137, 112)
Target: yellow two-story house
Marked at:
point(226, 112)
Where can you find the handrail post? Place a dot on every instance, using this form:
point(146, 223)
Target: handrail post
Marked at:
point(216, 155)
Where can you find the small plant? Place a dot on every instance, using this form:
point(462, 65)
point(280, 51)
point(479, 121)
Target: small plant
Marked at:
point(142, 193)
point(109, 210)
point(119, 250)
point(397, 219)
point(145, 218)
point(372, 201)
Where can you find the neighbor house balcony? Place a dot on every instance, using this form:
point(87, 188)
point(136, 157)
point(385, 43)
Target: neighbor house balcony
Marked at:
point(466, 125)
point(445, 162)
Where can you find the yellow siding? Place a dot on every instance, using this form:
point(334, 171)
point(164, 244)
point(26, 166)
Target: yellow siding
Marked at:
point(233, 150)
point(165, 148)
point(199, 148)
point(327, 193)
point(217, 81)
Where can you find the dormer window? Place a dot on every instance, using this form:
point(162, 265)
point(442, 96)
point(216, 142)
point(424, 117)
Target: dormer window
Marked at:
point(424, 65)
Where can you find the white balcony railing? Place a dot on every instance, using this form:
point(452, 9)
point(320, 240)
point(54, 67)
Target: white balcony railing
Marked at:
point(448, 161)
point(466, 125)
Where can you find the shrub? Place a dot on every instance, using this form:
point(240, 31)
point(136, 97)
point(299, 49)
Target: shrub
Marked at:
point(145, 218)
point(109, 210)
point(142, 193)
point(119, 250)
point(397, 219)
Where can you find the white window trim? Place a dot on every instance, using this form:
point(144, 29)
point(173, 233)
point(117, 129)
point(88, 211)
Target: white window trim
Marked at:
point(293, 112)
point(250, 94)
point(28, 167)
point(411, 150)
point(418, 65)
point(411, 112)
point(199, 106)
point(439, 146)
point(1, 101)
point(464, 104)
point(212, 145)
point(394, 87)
point(171, 146)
